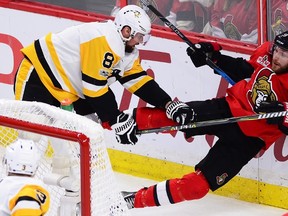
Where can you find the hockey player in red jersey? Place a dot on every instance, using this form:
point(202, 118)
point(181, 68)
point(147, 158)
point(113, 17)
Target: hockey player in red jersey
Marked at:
point(261, 86)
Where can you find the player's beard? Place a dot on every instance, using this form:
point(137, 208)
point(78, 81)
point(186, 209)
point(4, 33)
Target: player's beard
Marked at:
point(129, 49)
point(279, 69)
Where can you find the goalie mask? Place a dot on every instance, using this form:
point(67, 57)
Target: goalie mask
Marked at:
point(135, 18)
point(22, 157)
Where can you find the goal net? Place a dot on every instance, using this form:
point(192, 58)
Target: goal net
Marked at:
point(99, 191)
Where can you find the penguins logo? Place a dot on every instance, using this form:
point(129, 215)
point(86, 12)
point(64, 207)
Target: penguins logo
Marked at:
point(137, 14)
point(261, 90)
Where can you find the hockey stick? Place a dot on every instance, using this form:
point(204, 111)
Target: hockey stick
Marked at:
point(215, 122)
point(209, 62)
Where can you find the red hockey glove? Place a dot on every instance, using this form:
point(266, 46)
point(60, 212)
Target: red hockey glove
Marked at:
point(202, 51)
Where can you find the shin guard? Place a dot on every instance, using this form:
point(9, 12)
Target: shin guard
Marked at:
point(189, 187)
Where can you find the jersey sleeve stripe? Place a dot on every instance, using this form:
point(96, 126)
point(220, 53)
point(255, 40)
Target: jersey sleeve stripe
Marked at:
point(93, 81)
point(57, 63)
point(95, 92)
point(132, 77)
point(136, 84)
point(26, 198)
point(45, 65)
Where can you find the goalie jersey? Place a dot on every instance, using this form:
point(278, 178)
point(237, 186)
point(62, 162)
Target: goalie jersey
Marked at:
point(22, 196)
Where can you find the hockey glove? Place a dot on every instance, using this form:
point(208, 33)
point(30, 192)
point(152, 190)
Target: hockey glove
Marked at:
point(272, 106)
point(180, 112)
point(125, 129)
point(202, 51)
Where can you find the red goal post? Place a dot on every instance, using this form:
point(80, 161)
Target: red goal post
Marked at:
point(99, 192)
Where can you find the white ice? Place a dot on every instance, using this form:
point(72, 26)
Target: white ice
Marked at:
point(210, 205)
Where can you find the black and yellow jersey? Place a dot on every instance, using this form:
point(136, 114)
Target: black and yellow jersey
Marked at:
point(76, 62)
point(80, 62)
point(22, 196)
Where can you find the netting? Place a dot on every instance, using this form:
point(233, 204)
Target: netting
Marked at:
point(104, 195)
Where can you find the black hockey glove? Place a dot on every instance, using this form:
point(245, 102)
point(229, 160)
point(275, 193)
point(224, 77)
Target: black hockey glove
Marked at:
point(180, 112)
point(202, 51)
point(125, 129)
point(272, 106)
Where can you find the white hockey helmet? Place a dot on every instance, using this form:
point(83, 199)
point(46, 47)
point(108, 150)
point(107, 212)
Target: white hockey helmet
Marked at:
point(134, 17)
point(22, 157)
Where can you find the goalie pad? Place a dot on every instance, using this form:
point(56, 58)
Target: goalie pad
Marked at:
point(148, 118)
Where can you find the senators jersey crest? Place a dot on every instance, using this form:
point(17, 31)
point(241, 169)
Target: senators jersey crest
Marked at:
point(262, 89)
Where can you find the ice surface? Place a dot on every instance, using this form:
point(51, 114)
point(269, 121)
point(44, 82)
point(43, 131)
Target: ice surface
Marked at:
point(210, 205)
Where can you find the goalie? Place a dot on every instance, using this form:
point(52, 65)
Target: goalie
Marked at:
point(261, 86)
point(21, 194)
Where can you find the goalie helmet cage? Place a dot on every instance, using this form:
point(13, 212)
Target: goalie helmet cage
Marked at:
point(99, 191)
